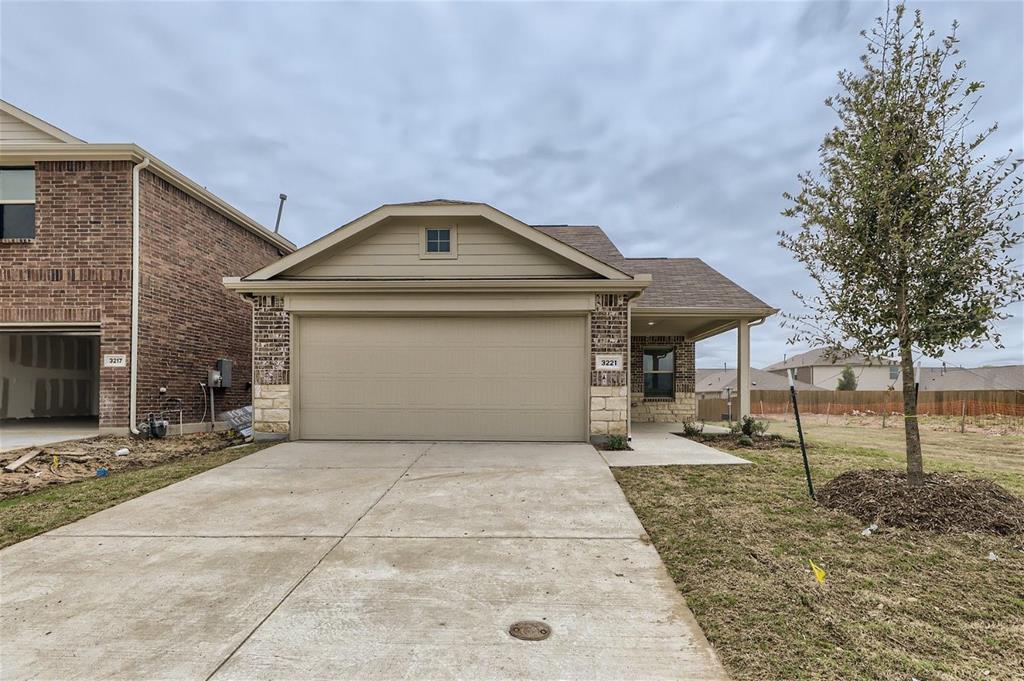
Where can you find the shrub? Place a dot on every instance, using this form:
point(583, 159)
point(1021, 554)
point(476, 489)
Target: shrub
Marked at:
point(616, 442)
point(745, 440)
point(751, 427)
point(692, 428)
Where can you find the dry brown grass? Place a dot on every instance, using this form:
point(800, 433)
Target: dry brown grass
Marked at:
point(895, 605)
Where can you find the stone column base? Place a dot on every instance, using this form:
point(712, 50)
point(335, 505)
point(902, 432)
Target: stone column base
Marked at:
point(609, 412)
point(682, 408)
point(272, 410)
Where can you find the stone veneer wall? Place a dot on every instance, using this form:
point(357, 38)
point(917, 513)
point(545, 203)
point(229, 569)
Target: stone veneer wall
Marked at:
point(659, 409)
point(609, 394)
point(271, 330)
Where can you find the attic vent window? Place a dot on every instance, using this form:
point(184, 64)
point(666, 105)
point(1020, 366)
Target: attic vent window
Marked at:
point(438, 242)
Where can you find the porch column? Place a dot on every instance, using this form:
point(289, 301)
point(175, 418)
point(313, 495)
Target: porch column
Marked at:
point(743, 367)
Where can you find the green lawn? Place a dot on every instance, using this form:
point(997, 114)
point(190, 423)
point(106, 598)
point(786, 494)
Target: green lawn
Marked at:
point(32, 514)
point(898, 604)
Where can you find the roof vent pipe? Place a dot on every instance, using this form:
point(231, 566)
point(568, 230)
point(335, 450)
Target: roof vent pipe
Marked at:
point(280, 209)
point(133, 380)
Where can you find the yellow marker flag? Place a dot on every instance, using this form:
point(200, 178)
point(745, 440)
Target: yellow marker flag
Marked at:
point(819, 574)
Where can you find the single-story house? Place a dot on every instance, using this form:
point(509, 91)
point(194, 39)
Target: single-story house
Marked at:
point(719, 382)
point(1004, 377)
point(111, 301)
point(453, 320)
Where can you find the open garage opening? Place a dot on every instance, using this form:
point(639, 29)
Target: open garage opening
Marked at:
point(49, 386)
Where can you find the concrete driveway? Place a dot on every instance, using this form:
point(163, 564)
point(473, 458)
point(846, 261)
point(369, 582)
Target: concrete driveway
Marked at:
point(343, 560)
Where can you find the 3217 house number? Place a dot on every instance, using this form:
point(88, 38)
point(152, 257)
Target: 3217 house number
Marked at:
point(608, 362)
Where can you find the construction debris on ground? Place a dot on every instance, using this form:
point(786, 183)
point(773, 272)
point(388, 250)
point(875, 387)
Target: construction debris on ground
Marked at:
point(26, 470)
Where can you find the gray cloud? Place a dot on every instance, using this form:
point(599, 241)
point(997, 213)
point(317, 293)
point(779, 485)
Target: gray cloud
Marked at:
point(675, 126)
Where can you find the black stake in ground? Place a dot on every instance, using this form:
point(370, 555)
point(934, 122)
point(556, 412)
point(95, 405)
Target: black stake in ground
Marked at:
point(800, 432)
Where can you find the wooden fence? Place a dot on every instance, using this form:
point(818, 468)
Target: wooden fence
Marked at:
point(971, 403)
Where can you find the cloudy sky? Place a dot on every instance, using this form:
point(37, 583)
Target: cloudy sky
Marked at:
point(675, 126)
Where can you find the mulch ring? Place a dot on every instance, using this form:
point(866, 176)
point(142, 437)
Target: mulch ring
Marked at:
point(946, 503)
point(732, 441)
point(79, 459)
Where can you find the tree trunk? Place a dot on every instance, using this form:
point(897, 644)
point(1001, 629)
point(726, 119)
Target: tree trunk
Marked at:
point(915, 464)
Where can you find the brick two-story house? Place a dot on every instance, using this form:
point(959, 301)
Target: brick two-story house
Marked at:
point(111, 303)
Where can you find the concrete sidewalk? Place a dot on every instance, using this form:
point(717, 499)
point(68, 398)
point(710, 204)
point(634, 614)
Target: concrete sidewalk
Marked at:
point(343, 560)
point(655, 444)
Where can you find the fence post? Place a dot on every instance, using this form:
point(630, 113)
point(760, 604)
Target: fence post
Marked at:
point(963, 414)
point(828, 412)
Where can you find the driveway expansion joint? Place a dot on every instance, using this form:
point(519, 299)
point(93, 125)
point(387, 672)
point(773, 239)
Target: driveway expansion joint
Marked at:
point(310, 571)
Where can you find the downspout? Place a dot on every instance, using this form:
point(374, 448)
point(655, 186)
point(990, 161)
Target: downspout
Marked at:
point(132, 416)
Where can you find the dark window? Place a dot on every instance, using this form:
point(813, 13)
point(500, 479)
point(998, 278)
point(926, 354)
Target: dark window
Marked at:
point(17, 203)
point(894, 373)
point(439, 241)
point(659, 372)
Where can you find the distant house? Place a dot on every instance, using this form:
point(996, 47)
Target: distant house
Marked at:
point(712, 382)
point(818, 372)
point(1008, 377)
point(813, 367)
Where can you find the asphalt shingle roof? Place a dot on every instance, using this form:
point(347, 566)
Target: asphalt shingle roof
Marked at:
point(817, 358)
point(714, 380)
point(676, 282)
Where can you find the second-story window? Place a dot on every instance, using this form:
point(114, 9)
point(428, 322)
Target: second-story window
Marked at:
point(17, 203)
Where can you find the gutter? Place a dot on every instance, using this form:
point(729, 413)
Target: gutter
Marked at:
point(17, 154)
point(132, 386)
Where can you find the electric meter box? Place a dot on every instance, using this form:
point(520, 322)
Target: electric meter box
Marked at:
point(223, 367)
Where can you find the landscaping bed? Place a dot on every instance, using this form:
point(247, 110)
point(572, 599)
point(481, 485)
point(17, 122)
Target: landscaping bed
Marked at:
point(81, 459)
point(734, 441)
point(896, 603)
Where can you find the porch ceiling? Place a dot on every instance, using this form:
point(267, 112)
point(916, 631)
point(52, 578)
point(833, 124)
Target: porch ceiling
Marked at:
point(694, 324)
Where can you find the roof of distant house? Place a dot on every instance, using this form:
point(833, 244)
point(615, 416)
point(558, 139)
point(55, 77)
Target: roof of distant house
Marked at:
point(818, 357)
point(715, 380)
point(1008, 377)
point(676, 282)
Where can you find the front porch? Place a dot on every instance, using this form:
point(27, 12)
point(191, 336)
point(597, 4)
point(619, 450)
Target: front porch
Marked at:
point(662, 367)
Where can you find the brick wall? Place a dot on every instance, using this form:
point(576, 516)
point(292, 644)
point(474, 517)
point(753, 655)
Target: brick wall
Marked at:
point(683, 406)
point(271, 352)
point(78, 267)
point(187, 319)
point(609, 334)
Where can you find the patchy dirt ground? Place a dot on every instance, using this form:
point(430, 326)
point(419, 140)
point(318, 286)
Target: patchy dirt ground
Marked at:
point(79, 459)
point(946, 502)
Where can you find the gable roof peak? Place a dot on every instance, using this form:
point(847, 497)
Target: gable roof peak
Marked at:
point(37, 123)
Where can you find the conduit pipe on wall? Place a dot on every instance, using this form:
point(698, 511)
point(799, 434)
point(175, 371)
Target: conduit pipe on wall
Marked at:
point(132, 416)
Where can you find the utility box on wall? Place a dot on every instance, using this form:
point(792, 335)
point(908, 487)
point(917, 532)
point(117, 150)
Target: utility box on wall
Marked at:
point(220, 375)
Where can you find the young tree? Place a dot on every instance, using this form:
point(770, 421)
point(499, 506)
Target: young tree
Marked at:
point(847, 380)
point(907, 230)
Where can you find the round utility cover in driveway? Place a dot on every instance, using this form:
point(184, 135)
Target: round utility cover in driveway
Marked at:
point(528, 630)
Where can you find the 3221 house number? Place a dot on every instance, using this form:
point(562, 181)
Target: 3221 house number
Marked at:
point(608, 362)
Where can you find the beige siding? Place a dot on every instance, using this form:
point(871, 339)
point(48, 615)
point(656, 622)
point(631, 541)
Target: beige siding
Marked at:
point(15, 131)
point(392, 250)
point(441, 378)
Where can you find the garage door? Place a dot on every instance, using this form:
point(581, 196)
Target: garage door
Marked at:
point(441, 378)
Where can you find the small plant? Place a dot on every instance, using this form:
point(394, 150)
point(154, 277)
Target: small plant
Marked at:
point(692, 428)
point(616, 443)
point(746, 441)
point(751, 427)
